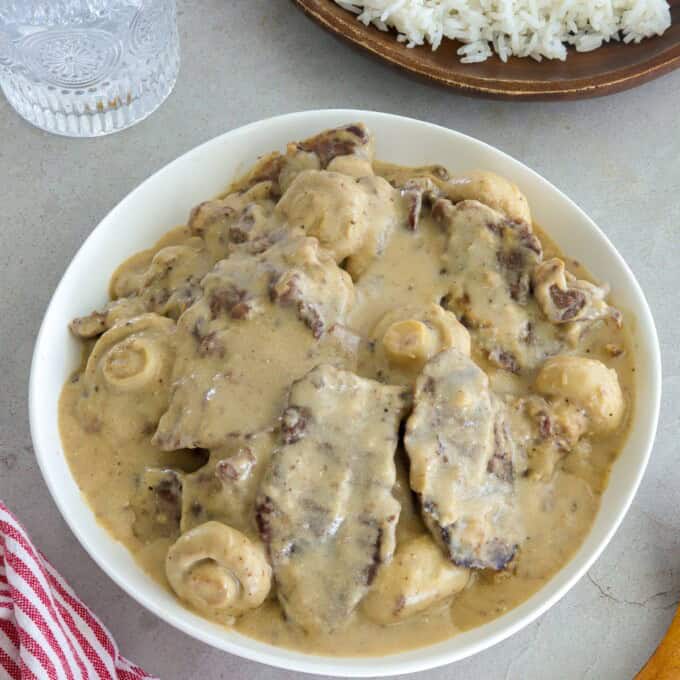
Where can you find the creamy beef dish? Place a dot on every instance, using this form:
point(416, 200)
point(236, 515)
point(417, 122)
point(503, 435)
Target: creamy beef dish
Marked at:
point(350, 408)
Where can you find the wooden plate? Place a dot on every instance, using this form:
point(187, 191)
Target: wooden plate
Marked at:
point(611, 68)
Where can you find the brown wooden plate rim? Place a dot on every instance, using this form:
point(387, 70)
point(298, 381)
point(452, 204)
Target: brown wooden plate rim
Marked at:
point(360, 36)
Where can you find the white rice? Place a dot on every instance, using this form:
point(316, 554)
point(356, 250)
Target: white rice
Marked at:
point(521, 28)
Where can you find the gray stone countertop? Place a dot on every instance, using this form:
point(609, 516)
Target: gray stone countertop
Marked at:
point(617, 157)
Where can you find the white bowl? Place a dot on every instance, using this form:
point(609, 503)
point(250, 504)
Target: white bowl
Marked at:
point(165, 199)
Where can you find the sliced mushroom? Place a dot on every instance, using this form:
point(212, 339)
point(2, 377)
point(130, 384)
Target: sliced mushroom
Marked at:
point(163, 280)
point(217, 569)
point(577, 383)
point(97, 322)
point(418, 578)
point(169, 283)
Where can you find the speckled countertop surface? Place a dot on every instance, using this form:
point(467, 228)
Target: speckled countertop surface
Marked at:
point(617, 157)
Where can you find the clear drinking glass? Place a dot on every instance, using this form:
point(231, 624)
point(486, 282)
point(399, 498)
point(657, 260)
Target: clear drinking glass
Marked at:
point(85, 68)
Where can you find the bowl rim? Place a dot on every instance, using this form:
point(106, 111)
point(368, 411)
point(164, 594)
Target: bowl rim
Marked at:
point(330, 665)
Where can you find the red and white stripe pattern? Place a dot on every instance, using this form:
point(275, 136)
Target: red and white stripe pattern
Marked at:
point(45, 630)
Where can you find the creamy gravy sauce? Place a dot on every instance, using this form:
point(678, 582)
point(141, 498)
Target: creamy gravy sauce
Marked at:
point(245, 349)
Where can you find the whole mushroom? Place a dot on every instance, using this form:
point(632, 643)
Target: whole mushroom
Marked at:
point(217, 569)
point(585, 384)
point(407, 337)
point(418, 577)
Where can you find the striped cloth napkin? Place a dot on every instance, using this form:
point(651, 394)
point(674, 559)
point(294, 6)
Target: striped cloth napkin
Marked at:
point(45, 630)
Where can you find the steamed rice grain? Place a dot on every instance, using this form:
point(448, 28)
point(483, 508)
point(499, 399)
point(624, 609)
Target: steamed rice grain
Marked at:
point(521, 28)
